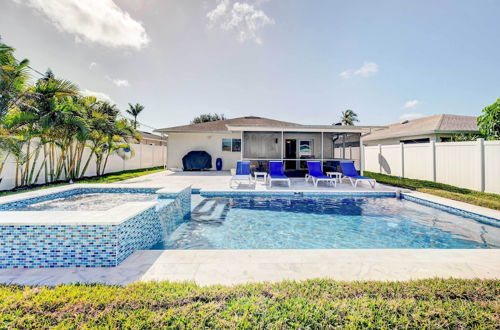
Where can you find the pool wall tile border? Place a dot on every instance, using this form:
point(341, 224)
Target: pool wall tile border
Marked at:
point(453, 210)
point(208, 193)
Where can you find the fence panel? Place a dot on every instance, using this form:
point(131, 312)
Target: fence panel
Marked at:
point(390, 160)
point(474, 165)
point(145, 156)
point(371, 159)
point(418, 161)
point(457, 164)
point(492, 166)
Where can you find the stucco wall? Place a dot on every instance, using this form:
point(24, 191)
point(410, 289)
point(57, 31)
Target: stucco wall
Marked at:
point(179, 144)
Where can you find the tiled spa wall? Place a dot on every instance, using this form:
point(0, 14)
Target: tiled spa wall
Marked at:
point(149, 228)
point(54, 246)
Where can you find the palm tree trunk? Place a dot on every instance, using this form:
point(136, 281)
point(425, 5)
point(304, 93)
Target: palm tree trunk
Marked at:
point(27, 164)
point(105, 162)
point(87, 163)
point(33, 166)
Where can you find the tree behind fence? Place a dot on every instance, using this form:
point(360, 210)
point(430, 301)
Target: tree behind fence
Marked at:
point(143, 156)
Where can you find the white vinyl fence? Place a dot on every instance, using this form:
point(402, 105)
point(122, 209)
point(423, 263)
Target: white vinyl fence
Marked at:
point(145, 156)
point(474, 165)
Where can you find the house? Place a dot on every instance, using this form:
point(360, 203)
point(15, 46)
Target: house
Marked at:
point(152, 139)
point(261, 140)
point(437, 128)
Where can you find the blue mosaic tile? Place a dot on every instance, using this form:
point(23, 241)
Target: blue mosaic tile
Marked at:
point(271, 194)
point(51, 246)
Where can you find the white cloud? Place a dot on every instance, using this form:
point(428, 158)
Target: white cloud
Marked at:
point(367, 69)
point(97, 95)
point(119, 82)
point(97, 21)
point(411, 104)
point(410, 116)
point(92, 65)
point(346, 74)
point(243, 18)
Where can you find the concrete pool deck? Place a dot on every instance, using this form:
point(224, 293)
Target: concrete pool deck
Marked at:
point(227, 267)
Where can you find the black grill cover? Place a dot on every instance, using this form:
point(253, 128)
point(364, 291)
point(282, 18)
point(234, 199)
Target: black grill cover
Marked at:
point(197, 160)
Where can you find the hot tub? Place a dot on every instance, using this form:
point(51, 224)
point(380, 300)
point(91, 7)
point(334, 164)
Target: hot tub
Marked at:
point(82, 226)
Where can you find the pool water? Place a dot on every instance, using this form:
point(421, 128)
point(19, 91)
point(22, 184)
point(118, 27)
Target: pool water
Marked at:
point(87, 202)
point(325, 223)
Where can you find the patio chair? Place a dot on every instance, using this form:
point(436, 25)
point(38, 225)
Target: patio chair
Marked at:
point(276, 173)
point(316, 174)
point(350, 171)
point(242, 173)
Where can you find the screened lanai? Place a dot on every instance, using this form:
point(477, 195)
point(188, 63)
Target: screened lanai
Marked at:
point(295, 146)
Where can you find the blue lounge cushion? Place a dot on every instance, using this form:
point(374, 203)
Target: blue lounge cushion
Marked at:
point(349, 170)
point(276, 170)
point(315, 171)
point(242, 167)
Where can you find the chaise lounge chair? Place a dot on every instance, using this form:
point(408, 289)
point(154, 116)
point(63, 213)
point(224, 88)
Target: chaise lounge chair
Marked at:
point(242, 173)
point(276, 173)
point(350, 171)
point(316, 174)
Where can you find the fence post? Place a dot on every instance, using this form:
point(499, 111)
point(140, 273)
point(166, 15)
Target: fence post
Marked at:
point(433, 158)
point(379, 158)
point(361, 157)
point(140, 155)
point(482, 179)
point(153, 149)
point(402, 151)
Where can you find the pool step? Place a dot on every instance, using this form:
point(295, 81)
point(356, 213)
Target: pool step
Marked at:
point(213, 210)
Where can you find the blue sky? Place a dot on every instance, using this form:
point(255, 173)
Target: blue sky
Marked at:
point(301, 61)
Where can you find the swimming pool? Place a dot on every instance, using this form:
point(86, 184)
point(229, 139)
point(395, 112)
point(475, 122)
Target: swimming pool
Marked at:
point(251, 222)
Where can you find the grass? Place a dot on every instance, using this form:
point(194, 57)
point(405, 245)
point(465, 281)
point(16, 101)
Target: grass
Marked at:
point(488, 200)
point(434, 303)
point(107, 178)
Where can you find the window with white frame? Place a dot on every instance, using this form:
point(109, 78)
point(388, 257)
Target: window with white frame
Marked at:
point(232, 145)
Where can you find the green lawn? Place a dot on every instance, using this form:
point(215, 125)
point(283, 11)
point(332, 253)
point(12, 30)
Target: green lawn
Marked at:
point(107, 178)
point(430, 304)
point(491, 201)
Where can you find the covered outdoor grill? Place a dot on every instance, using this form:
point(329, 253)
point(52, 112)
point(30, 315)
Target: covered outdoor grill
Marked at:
point(197, 161)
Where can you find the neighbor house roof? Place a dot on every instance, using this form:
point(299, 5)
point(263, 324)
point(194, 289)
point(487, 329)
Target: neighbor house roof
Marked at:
point(151, 136)
point(221, 125)
point(435, 124)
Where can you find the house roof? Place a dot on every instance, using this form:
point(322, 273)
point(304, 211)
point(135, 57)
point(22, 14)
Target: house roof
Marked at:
point(221, 125)
point(151, 136)
point(435, 124)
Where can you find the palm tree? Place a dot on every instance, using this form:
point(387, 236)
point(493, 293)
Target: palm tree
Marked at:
point(134, 111)
point(348, 118)
point(13, 78)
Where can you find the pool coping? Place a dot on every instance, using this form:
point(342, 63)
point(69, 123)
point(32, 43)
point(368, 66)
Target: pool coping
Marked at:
point(113, 216)
point(231, 267)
